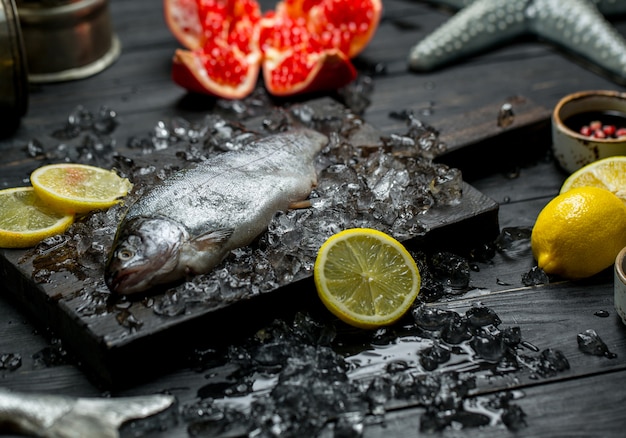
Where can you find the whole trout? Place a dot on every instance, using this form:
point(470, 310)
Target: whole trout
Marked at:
point(189, 223)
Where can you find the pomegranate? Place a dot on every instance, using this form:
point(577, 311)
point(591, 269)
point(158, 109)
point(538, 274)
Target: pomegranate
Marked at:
point(223, 37)
point(303, 45)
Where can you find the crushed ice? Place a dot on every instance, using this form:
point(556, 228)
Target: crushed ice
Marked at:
point(312, 385)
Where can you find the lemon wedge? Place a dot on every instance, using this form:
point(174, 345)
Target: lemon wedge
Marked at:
point(366, 278)
point(608, 173)
point(25, 220)
point(78, 188)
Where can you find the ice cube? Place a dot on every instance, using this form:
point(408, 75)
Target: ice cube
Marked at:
point(514, 242)
point(589, 342)
point(480, 316)
point(434, 356)
point(451, 270)
point(456, 330)
point(534, 277)
point(432, 318)
point(10, 361)
point(488, 346)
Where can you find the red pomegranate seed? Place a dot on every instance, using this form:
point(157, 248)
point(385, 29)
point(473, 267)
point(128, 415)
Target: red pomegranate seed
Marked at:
point(586, 131)
point(621, 132)
point(609, 130)
point(599, 133)
point(595, 125)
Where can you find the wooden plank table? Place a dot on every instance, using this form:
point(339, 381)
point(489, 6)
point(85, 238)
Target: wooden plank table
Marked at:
point(462, 102)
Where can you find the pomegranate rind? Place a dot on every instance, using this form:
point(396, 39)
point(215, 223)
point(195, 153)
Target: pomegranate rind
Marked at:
point(183, 20)
point(331, 70)
point(189, 71)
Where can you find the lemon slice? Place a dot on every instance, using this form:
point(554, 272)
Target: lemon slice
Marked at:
point(608, 173)
point(78, 188)
point(25, 220)
point(365, 277)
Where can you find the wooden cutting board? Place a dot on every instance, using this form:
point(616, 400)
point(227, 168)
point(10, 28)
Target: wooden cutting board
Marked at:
point(121, 340)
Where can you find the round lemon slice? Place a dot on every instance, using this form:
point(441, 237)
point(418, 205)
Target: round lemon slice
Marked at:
point(78, 188)
point(366, 278)
point(608, 173)
point(25, 220)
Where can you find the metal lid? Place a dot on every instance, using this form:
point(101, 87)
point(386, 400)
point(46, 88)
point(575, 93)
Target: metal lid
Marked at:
point(13, 70)
point(66, 39)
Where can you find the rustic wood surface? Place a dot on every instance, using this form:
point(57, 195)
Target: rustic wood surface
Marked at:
point(511, 165)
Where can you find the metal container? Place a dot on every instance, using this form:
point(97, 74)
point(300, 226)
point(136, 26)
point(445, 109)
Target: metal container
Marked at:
point(13, 74)
point(67, 39)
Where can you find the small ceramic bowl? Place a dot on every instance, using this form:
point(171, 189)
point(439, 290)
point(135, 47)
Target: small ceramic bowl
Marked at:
point(620, 285)
point(574, 150)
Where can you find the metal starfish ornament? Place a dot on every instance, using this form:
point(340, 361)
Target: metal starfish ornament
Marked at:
point(577, 26)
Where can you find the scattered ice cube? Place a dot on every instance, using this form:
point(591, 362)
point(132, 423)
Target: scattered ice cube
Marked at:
point(10, 361)
point(433, 318)
point(451, 270)
point(506, 116)
point(589, 342)
point(488, 346)
point(480, 316)
point(514, 242)
point(433, 356)
point(535, 277)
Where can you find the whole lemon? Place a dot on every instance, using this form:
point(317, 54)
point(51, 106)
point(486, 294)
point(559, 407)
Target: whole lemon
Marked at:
point(579, 232)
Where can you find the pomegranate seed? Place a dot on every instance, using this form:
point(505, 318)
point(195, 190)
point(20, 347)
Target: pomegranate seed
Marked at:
point(599, 133)
point(586, 131)
point(621, 132)
point(609, 130)
point(595, 125)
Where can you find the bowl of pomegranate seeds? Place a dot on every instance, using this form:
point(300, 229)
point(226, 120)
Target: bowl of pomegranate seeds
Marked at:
point(588, 126)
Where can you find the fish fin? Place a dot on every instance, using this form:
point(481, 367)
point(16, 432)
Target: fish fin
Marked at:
point(295, 205)
point(212, 238)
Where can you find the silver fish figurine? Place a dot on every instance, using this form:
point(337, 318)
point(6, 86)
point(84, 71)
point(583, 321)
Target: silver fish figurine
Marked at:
point(56, 416)
point(188, 224)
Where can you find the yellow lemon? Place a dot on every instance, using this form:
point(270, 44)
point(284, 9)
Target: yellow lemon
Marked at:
point(579, 232)
point(365, 277)
point(25, 220)
point(78, 188)
point(607, 173)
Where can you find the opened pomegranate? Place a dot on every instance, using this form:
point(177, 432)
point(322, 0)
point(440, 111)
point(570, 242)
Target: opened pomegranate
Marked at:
point(223, 37)
point(303, 45)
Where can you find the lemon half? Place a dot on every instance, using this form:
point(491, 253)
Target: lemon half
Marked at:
point(366, 278)
point(78, 188)
point(25, 220)
point(607, 173)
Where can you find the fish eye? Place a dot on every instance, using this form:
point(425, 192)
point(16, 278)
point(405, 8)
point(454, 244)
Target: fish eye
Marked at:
point(125, 254)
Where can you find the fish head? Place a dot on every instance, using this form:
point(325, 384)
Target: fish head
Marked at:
point(146, 252)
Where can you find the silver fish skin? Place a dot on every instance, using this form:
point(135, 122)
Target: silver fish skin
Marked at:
point(55, 416)
point(189, 223)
